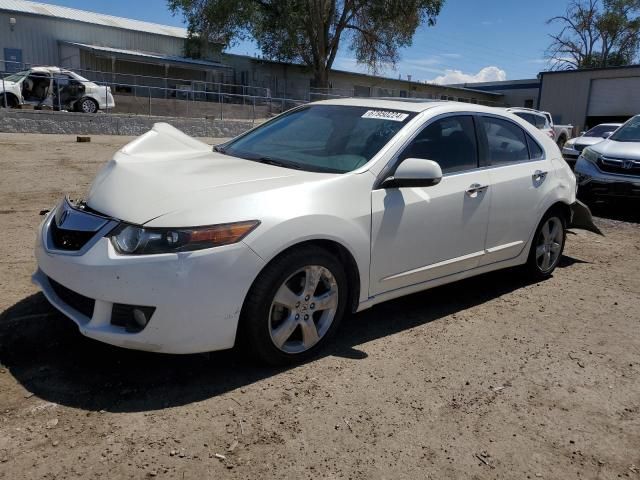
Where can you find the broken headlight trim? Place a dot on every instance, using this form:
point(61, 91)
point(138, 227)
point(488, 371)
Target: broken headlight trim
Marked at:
point(135, 240)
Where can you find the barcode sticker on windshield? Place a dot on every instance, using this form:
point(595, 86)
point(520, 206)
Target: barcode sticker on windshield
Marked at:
point(386, 115)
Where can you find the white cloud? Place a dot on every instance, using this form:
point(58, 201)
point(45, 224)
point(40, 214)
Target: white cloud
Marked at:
point(487, 74)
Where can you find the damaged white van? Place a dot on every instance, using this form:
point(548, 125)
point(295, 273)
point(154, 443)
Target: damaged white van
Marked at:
point(329, 208)
point(55, 88)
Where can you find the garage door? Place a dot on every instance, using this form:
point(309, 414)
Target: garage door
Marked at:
point(614, 97)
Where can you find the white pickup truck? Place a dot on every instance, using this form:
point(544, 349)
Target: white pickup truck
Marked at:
point(562, 132)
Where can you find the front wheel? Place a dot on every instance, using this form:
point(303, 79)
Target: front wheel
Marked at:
point(548, 245)
point(87, 105)
point(294, 306)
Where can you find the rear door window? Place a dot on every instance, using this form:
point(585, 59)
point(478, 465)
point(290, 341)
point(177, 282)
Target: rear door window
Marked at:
point(507, 142)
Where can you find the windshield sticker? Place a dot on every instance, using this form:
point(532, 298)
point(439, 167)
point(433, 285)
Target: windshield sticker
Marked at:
point(386, 115)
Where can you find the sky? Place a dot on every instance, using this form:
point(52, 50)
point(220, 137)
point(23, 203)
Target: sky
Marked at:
point(472, 41)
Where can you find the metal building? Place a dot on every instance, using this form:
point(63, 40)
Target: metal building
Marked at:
point(35, 33)
point(585, 98)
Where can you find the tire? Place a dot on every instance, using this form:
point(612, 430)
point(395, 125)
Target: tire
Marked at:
point(280, 322)
point(87, 105)
point(11, 101)
point(547, 246)
point(561, 141)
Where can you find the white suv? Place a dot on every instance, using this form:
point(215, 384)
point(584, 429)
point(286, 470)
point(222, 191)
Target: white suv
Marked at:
point(540, 120)
point(329, 208)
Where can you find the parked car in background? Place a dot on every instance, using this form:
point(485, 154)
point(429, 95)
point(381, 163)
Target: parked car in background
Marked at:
point(562, 132)
point(597, 134)
point(55, 88)
point(331, 207)
point(610, 169)
point(535, 118)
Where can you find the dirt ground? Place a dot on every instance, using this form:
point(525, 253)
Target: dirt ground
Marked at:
point(493, 377)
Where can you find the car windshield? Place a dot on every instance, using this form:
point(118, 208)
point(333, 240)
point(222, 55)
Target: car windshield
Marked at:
point(629, 132)
point(601, 131)
point(16, 77)
point(322, 138)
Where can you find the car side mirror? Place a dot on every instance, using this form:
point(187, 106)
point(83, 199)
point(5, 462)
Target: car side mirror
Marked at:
point(414, 172)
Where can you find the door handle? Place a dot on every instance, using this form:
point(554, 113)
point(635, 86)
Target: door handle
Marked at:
point(539, 175)
point(476, 188)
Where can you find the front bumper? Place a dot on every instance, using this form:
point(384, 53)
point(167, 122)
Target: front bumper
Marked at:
point(570, 155)
point(197, 295)
point(594, 184)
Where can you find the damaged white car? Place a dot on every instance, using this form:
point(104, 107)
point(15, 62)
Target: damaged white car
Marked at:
point(54, 88)
point(329, 208)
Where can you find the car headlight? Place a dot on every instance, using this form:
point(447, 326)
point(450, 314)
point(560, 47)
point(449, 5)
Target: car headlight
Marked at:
point(135, 240)
point(570, 143)
point(590, 155)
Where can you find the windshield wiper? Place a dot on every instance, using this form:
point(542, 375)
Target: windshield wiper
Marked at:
point(278, 163)
point(218, 148)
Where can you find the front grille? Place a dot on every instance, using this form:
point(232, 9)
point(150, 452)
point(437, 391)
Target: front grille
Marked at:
point(69, 240)
point(579, 147)
point(619, 165)
point(78, 302)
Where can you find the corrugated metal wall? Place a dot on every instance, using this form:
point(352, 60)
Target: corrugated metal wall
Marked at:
point(38, 38)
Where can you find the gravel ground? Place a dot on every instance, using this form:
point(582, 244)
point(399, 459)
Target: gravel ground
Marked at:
point(492, 377)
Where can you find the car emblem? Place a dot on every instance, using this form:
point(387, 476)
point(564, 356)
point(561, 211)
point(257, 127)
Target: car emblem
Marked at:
point(63, 217)
point(628, 164)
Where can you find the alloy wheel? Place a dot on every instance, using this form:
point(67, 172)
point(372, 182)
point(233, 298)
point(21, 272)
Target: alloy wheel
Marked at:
point(303, 309)
point(549, 244)
point(88, 106)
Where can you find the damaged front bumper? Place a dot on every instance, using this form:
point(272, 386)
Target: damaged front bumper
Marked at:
point(193, 299)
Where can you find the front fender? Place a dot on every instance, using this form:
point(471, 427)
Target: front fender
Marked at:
point(353, 236)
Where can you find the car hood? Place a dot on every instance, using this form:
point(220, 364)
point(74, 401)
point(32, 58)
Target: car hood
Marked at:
point(588, 141)
point(611, 148)
point(165, 173)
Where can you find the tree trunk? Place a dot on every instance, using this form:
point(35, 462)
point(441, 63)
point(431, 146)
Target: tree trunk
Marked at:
point(320, 77)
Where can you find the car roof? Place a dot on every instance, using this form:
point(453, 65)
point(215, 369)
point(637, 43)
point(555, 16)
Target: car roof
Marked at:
point(408, 104)
point(608, 125)
point(525, 110)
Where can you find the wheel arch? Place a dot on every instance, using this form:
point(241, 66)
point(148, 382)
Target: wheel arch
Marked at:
point(563, 208)
point(12, 99)
point(338, 250)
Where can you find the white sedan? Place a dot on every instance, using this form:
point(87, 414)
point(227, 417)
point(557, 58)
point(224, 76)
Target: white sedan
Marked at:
point(56, 88)
point(329, 208)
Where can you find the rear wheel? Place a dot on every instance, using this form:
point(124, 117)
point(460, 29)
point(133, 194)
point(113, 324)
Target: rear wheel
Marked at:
point(561, 142)
point(548, 245)
point(294, 306)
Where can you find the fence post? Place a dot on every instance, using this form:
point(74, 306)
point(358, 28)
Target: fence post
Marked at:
point(58, 91)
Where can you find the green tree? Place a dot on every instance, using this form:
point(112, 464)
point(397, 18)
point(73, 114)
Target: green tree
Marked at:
point(312, 31)
point(596, 33)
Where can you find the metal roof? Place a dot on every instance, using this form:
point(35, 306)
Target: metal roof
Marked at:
point(151, 56)
point(47, 10)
